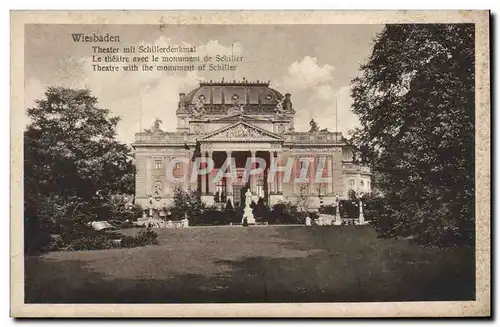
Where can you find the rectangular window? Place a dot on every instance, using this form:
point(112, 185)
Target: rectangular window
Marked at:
point(157, 164)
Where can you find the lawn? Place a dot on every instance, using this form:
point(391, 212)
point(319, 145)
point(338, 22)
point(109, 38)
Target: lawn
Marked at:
point(255, 264)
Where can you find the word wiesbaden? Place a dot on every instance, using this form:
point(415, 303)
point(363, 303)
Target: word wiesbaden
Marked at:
point(81, 37)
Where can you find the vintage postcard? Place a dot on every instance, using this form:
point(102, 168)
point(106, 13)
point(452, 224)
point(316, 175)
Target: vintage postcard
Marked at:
point(250, 164)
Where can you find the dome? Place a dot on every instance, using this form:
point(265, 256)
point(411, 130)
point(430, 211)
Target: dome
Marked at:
point(219, 97)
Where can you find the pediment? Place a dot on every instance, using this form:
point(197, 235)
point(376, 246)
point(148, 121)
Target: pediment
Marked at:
point(235, 118)
point(241, 131)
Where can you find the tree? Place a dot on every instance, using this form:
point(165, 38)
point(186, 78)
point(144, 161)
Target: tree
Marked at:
point(187, 202)
point(415, 102)
point(71, 159)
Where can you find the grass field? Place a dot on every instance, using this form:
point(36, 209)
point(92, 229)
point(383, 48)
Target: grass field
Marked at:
point(255, 264)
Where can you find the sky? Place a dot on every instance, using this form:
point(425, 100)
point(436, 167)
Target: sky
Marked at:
point(314, 63)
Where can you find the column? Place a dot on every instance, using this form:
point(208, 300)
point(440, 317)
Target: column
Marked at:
point(202, 178)
point(189, 170)
point(337, 175)
point(312, 171)
point(271, 184)
point(229, 179)
point(253, 178)
point(329, 162)
point(167, 187)
point(148, 176)
point(295, 169)
point(210, 176)
point(279, 187)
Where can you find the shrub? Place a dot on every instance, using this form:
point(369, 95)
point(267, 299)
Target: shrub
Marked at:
point(137, 211)
point(213, 216)
point(229, 205)
point(143, 238)
point(46, 217)
point(261, 209)
point(286, 213)
point(234, 215)
point(96, 241)
point(329, 209)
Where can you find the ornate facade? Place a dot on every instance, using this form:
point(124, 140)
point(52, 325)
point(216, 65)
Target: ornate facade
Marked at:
point(234, 121)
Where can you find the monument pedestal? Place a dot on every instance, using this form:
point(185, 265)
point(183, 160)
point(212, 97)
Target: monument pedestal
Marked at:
point(338, 220)
point(248, 214)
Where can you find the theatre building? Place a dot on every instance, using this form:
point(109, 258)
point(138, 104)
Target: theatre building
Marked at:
point(232, 122)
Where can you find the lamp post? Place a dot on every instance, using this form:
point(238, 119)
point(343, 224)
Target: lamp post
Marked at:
point(338, 221)
point(361, 216)
point(150, 206)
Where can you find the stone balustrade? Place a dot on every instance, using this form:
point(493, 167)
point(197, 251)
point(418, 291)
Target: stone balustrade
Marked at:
point(355, 167)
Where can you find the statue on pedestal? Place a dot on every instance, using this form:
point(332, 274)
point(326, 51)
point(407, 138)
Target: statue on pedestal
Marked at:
point(314, 126)
point(155, 128)
point(248, 213)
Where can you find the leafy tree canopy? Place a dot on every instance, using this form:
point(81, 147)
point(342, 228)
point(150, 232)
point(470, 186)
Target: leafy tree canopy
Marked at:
point(415, 102)
point(70, 149)
point(72, 167)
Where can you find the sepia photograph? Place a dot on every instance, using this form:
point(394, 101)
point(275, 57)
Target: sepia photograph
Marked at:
point(167, 159)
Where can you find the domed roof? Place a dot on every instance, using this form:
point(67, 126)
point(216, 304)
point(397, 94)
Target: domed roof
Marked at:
point(219, 97)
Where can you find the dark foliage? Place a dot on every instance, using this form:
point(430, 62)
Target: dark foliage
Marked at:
point(329, 209)
point(415, 103)
point(143, 238)
point(229, 206)
point(79, 237)
point(72, 165)
point(261, 209)
point(213, 217)
point(349, 208)
point(286, 213)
